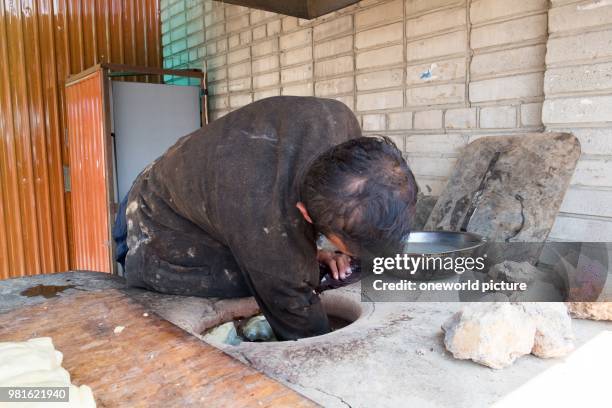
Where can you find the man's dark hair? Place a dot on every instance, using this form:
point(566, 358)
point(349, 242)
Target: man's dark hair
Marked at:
point(364, 192)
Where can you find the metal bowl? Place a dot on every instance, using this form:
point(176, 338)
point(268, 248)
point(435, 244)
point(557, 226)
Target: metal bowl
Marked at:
point(433, 244)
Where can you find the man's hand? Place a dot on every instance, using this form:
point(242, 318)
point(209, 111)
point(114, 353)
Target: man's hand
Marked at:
point(339, 264)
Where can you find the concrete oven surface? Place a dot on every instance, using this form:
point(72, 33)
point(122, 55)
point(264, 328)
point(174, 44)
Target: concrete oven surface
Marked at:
point(391, 356)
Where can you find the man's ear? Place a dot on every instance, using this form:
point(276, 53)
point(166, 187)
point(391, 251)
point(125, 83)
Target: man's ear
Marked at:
point(300, 206)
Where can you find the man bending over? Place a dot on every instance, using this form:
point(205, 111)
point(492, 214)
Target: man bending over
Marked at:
point(235, 208)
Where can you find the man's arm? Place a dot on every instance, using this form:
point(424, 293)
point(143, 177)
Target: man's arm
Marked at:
point(282, 276)
point(291, 306)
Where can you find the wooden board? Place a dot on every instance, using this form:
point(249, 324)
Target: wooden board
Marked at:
point(151, 363)
point(90, 181)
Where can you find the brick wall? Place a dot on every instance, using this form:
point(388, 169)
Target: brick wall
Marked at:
point(431, 74)
point(578, 88)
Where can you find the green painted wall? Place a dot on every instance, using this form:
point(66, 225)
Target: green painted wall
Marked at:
point(182, 37)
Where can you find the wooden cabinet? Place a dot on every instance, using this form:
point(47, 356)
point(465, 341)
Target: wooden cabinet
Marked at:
point(114, 129)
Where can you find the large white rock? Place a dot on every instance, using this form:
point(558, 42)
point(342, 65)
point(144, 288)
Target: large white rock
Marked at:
point(496, 334)
point(554, 336)
point(591, 310)
point(492, 334)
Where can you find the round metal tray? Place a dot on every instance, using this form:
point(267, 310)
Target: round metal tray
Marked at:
point(447, 244)
point(441, 242)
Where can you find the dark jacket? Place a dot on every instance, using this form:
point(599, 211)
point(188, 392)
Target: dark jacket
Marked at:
point(236, 182)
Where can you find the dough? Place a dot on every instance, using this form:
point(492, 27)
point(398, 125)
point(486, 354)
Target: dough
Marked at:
point(55, 375)
point(34, 354)
point(36, 363)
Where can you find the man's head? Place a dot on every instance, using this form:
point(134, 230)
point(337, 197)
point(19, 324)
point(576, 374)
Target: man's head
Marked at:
point(361, 195)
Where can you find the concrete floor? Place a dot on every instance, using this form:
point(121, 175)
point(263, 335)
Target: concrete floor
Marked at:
point(393, 355)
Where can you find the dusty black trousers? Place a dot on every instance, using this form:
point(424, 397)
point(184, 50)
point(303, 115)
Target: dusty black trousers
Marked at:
point(199, 266)
point(214, 274)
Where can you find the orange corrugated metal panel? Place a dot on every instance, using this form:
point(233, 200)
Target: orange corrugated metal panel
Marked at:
point(89, 177)
point(42, 42)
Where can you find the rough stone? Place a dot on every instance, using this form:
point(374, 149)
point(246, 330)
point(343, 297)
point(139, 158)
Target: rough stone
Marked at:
point(425, 204)
point(258, 329)
point(224, 334)
point(591, 310)
point(508, 189)
point(538, 291)
point(554, 336)
point(496, 334)
point(491, 334)
point(489, 297)
point(516, 272)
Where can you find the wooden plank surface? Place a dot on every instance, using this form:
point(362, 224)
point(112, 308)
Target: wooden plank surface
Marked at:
point(90, 176)
point(151, 363)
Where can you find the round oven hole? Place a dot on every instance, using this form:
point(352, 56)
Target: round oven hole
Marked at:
point(341, 312)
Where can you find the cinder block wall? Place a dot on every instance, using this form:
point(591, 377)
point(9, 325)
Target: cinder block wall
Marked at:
point(578, 88)
point(431, 74)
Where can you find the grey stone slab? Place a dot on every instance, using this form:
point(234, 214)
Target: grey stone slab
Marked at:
point(425, 205)
point(508, 188)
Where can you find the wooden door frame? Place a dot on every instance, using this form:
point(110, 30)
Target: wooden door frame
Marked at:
point(107, 72)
